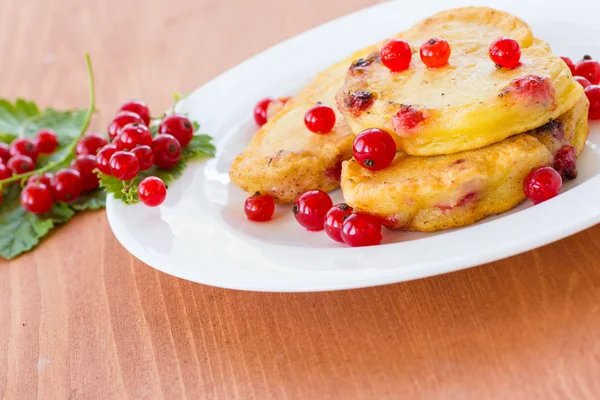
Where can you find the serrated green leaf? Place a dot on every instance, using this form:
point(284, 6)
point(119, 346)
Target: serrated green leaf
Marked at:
point(21, 231)
point(12, 116)
point(199, 146)
point(196, 126)
point(94, 200)
point(110, 184)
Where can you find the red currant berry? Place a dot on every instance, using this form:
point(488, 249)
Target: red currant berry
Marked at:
point(133, 135)
point(310, 209)
point(259, 207)
point(593, 95)
point(505, 52)
point(589, 69)
point(4, 152)
point(167, 151)
point(374, 149)
point(20, 164)
point(67, 185)
point(361, 230)
point(124, 165)
point(320, 119)
point(46, 141)
point(178, 126)
point(570, 64)
point(145, 157)
point(5, 172)
point(152, 191)
point(541, 184)
point(435, 52)
point(396, 55)
point(85, 164)
point(45, 178)
point(24, 146)
point(91, 144)
point(582, 81)
point(334, 219)
point(120, 120)
point(138, 107)
point(565, 162)
point(103, 158)
point(36, 198)
point(260, 111)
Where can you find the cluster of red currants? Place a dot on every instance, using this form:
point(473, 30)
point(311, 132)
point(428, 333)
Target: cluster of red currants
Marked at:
point(21, 156)
point(133, 149)
point(315, 211)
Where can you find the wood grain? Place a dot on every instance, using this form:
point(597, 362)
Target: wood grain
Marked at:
point(82, 319)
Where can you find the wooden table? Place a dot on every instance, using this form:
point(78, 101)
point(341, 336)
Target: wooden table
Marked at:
point(80, 318)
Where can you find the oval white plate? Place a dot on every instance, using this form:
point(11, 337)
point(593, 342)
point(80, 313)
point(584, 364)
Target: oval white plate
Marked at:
point(200, 232)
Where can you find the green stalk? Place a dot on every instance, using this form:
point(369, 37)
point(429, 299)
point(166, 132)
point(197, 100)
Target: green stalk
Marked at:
point(71, 149)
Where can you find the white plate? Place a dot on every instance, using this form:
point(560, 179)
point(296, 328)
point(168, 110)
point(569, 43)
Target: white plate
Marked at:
point(200, 232)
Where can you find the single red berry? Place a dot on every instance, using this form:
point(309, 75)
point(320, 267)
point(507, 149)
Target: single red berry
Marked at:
point(36, 198)
point(20, 164)
point(91, 143)
point(310, 209)
point(565, 162)
point(259, 207)
point(45, 178)
point(103, 158)
point(120, 120)
point(145, 156)
point(152, 191)
point(374, 149)
point(361, 230)
point(260, 111)
point(541, 184)
point(396, 55)
point(582, 81)
point(320, 119)
point(167, 151)
point(570, 64)
point(334, 219)
point(435, 52)
point(505, 52)
point(86, 164)
point(4, 152)
point(138, 107)
point(46, 141)
point(178, 126)
point(593, 95)
point(5, 172)
point(67, 185)
point(24, 146)
point(124, 165)
point(132, 135)
point(589, 69)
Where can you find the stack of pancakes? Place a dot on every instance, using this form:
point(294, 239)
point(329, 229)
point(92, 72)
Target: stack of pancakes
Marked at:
point(467, 134)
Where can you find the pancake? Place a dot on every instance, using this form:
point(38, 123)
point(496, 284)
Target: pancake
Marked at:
point(448, 191)
point(469, 103)
point(284, 159)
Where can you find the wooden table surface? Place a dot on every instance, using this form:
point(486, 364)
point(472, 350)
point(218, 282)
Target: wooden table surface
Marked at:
point(82, 319)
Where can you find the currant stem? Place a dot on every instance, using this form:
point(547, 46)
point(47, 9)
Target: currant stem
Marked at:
point(71, 149)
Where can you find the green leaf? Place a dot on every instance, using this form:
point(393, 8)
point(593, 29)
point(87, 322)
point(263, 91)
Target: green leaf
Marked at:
point(12, 116)
point(199, 146)
point(21, 231)
point(94, 200)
